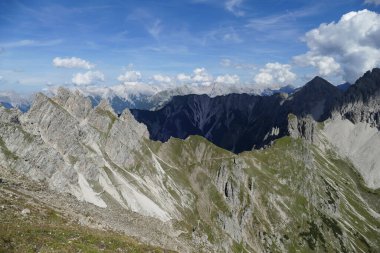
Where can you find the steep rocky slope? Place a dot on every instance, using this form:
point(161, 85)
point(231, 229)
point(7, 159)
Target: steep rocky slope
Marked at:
point(190, 195)
point(30, 223)
point(239, 122)
point(354, 126)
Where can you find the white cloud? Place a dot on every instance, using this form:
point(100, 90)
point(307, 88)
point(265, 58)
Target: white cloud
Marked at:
point(233, 6)
point(183, 77)
point(228, 79)
point(274, 75)
point(72, 62)
point(348, 47)
point(90, 77)
point(130, 77)
point(326, 65)
point(201, 77)
point(375, 2)
point(162, 79)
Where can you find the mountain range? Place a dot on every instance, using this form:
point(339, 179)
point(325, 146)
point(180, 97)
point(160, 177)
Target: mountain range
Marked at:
point(239, 122)
point(140, 95)
point(229, 173)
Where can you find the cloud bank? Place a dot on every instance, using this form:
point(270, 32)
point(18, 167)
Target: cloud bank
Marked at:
point(345, 48)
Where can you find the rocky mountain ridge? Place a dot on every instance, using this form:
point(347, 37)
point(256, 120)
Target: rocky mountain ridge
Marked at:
point(239, 122)
point(190, 195)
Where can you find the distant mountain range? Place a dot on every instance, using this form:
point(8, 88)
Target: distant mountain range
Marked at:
point(12, 99)
point(142, 96)
point(239, 122)
point(310, 185)
point(142, 99)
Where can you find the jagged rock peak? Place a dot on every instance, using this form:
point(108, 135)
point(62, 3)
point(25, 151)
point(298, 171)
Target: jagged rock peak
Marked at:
point(104, 105)
point(74, 102)
point(139, 128)
point(127, 115)
point(39, 98)
point(318, 84)
point(365, 87)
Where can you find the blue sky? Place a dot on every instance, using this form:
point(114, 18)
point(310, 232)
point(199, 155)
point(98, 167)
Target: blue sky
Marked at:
point(166, 38)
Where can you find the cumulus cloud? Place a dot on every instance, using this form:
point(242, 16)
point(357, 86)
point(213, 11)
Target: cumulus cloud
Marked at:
point(234, 7)
point(183, 77)
point(375, 2)
point(274, 75)
point(72, 62)
point(162, 79)
point(228, 79)
point(130, 77)
point(346, 48)
point(88, 78)
point(201, 77)
point(326, 65)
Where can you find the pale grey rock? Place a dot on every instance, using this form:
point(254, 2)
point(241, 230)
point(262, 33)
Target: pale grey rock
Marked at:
point(302, 128)
point(25, 212)
point(74, 103)
point(10, 115)
point(84, 151)
point(360, 143)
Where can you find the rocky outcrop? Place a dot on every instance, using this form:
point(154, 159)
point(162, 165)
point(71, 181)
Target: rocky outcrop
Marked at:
point(304, 128)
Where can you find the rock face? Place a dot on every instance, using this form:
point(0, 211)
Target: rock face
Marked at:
point(83, 151)
point(304, 128)
point(354, 126)
point(361, 102)
point(190, 195)
point(239, 122)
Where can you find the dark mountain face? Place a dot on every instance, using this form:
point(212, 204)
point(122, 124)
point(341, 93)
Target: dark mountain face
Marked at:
point(360, 102)
point(344, 86)
point(364, 88)
point(316, 98)
point(238, 122)
point(235, 122)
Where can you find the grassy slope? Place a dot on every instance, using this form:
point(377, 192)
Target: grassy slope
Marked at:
point(305, 198)
point(46, 230)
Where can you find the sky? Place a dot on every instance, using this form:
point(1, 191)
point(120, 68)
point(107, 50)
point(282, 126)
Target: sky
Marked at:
point(268, 43)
